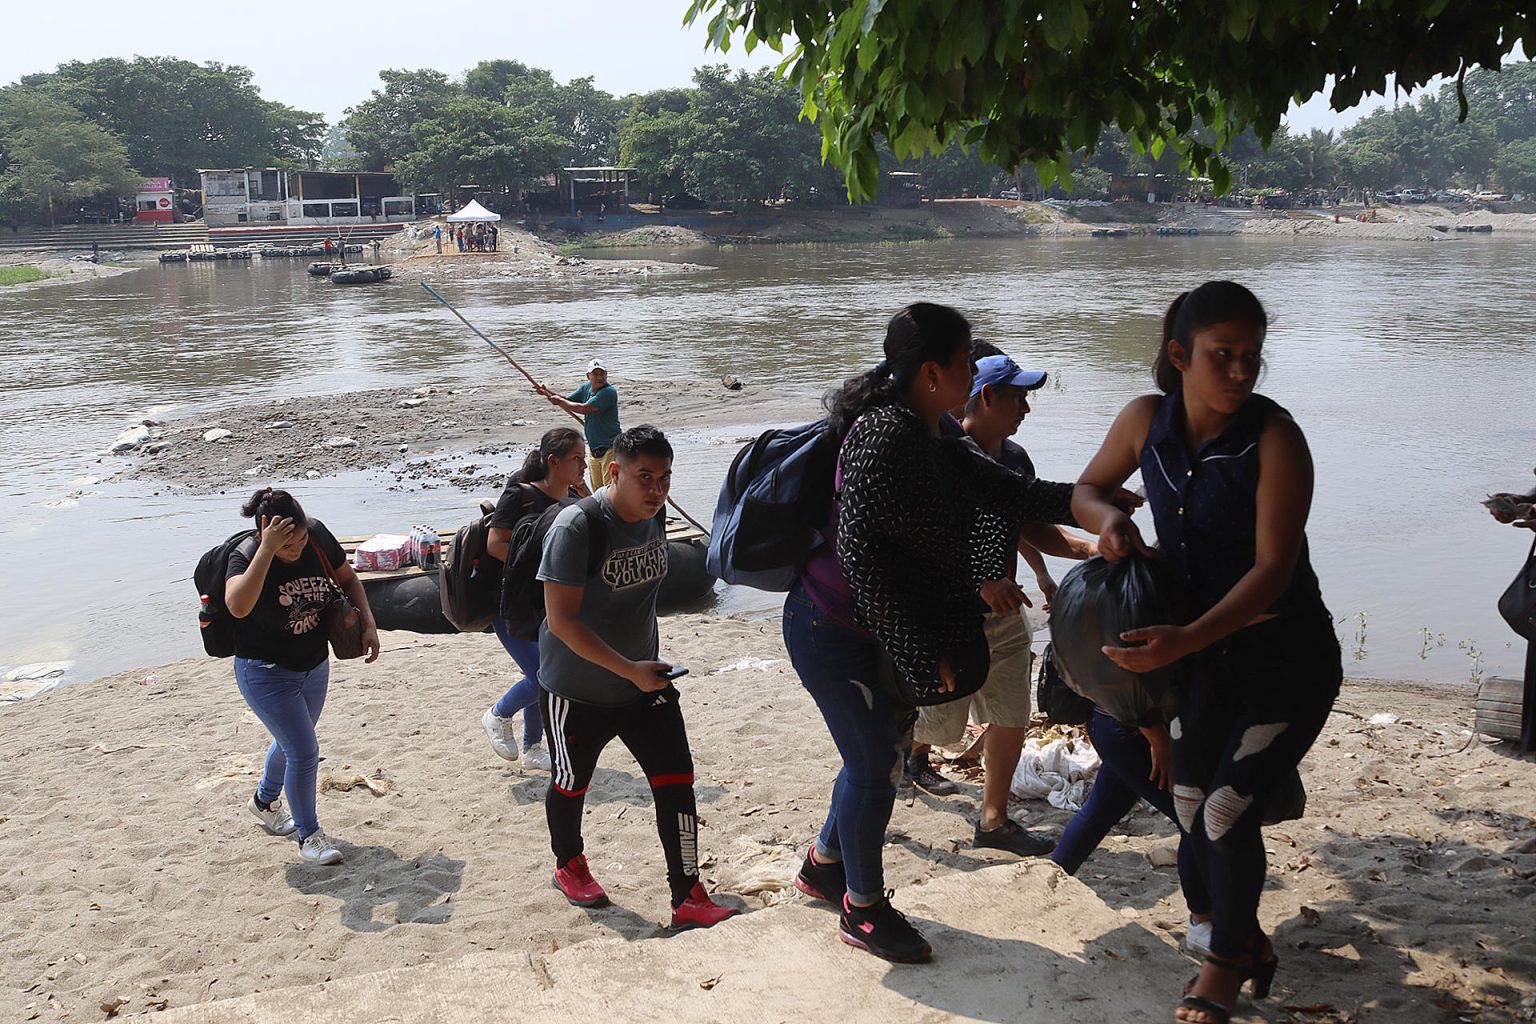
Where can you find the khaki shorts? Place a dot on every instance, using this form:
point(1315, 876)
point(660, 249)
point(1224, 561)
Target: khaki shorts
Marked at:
point(1002, 700)
point(597, 470)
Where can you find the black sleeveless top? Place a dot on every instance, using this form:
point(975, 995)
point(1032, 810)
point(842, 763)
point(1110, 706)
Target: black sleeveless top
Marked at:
point(1205, 506)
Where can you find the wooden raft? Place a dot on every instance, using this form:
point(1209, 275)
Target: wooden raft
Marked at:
point(677, 532)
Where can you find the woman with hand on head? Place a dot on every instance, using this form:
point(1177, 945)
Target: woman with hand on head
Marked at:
point(277, 587)
point(1229, 481)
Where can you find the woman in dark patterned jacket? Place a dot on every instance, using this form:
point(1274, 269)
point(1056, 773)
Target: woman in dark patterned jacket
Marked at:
point(894, 575)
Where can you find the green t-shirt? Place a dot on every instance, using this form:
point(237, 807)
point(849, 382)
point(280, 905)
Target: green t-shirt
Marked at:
point(602, 423)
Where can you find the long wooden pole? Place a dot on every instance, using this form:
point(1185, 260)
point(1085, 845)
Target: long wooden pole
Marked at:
point(518, 367)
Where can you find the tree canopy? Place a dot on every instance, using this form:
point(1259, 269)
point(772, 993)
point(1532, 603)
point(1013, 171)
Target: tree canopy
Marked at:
point(174, 116)
point(389, 128)
point(51, 157)
point(1032, 81)
point(729, 137)
point(475, 140)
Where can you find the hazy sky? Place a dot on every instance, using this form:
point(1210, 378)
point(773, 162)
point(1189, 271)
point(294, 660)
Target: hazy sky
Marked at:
point(333, 63)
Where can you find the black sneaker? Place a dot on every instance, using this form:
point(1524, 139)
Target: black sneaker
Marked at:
point(1014, 838)
point(923, 776)
point(884, 931)
point(822, 881)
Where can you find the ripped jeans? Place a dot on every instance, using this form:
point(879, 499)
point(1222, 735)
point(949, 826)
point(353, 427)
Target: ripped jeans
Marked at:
point(833, 663)
point(1255, 704)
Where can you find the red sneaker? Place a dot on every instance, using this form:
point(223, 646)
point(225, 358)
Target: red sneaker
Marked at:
point(578, 885)
point(699, 911)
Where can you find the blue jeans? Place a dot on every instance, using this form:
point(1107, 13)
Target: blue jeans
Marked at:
point(836, 666)
point(289, 704)
point(524, 694)
point(1125, 762)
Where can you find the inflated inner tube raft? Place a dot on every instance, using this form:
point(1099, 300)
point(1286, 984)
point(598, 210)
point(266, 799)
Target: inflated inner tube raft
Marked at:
point(408, 598)
point(359, 275)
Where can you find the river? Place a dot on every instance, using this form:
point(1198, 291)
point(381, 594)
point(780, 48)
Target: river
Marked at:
point(1411, 367)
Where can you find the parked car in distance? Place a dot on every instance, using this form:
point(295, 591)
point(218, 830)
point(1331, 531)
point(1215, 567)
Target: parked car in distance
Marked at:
point(1008, 193)
point(682, 201)
point(1490, 197)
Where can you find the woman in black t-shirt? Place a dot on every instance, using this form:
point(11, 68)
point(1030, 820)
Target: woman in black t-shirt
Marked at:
point(552, 471)
point(277, 588)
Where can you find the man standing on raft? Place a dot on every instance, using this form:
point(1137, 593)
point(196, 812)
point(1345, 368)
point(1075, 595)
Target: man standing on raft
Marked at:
point(597, 403)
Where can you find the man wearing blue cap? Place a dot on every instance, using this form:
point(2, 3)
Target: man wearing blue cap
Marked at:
point(998, 404)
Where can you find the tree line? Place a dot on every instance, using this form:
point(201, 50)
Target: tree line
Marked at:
point(97, 127)
point(94, 128)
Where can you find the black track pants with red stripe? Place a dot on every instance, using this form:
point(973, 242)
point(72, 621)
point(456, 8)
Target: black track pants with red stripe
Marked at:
point(652, 729)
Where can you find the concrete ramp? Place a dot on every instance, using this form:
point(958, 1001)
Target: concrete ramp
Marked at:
point(1012, 943)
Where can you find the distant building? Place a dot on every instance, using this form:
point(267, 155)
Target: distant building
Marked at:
point(904, 188)
point(155, 202)
point(254, 196)
point(589, 189)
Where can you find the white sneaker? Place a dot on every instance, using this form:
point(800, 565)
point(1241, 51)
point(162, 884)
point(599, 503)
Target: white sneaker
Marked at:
point(535, 756)
point(1197, 938)
point(276, 821)
point(317, 849)
point(499, 730)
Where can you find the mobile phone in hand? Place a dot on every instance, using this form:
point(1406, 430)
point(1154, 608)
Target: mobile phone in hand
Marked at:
point(675, 672)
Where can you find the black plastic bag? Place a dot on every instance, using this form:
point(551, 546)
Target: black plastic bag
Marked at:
point(1096, 602)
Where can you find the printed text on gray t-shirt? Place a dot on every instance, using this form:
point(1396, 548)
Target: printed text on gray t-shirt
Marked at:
point(618, 603)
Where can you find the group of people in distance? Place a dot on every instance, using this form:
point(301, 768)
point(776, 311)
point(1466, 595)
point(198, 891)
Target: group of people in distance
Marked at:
point(912, 597)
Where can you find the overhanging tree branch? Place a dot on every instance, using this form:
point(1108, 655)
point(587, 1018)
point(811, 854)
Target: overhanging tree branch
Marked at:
point(1031, 81)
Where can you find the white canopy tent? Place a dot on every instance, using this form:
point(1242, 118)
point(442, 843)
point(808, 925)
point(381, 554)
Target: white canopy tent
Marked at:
point(474, 212)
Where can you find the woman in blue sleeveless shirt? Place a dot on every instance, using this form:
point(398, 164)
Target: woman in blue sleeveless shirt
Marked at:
point(1229, 481)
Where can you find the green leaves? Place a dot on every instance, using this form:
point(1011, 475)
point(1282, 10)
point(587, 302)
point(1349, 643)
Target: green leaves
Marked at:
point(52, 157)
point(175, 116)
point(1048, 76)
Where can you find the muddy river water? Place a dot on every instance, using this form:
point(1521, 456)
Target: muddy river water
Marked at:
point(1411, 367)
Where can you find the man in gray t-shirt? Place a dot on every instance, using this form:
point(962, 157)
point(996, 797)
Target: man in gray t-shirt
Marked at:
point(601, 680)
point(618, 601)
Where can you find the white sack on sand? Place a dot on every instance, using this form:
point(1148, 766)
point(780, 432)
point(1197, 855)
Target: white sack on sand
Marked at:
point(761, 664)
point(1056, 772)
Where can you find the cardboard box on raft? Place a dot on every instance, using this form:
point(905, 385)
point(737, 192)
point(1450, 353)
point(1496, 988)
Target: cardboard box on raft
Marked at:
point(384, 552)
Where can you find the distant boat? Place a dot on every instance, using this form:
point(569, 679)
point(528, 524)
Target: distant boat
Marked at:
point(323, 269)
point(1111, 233)
point(361, 275)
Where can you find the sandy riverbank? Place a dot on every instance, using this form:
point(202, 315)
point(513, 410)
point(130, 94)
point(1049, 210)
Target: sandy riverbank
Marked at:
point(131, 870)
point(413, 431)
point(59, 270)
point(1001, 218)
point(519, 254)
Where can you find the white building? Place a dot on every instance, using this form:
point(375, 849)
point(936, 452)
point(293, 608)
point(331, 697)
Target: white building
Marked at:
point(256, 196)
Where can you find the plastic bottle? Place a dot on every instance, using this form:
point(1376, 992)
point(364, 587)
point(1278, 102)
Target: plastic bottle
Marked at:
point(432, 549)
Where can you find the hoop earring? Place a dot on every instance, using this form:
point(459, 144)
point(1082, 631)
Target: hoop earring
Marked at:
point(932, 387)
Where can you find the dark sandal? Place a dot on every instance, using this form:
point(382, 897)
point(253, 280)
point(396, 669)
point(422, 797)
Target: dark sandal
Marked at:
point(1206, 1006)
point(1260, 974)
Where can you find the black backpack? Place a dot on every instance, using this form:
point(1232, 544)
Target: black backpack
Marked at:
point(522, 594)
point(1055, 699)
point(469, 581)
point(214, 622)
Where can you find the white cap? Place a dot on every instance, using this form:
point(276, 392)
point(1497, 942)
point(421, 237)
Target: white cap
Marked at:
point(596, 364)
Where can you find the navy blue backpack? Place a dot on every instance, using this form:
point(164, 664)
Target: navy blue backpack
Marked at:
point(773, 505)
